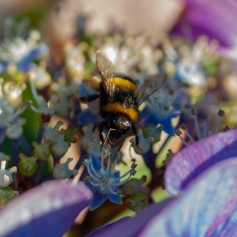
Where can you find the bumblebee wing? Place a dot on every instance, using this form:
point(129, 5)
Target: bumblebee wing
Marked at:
point(150, 85)
point(107, 70)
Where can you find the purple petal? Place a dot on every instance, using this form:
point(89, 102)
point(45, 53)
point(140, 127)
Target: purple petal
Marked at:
point(214, 18)
point(207, 202)
point(48, 210)
point(229, 227)
point(128, 227)
point(108, 227)
point(191, 161)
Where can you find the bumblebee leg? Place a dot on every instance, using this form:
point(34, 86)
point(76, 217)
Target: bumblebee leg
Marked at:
point(136, 135)
point(118, 150)
point(85, 99)
point(107, 135)
point(100, 130)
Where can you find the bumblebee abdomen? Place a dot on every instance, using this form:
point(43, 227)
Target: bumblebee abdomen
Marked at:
point(117, 108)
point(123, 100)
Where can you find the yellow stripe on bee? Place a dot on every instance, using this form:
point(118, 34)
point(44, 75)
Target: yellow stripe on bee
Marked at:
point(118, 108)
point(123, 83)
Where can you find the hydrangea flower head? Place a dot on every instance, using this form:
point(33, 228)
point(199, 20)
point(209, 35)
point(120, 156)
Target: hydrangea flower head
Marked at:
point(104, 181)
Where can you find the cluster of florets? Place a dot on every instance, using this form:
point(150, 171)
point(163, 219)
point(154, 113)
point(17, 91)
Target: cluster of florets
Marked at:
point(11, 106)
point(55, 143)
point(55, 92)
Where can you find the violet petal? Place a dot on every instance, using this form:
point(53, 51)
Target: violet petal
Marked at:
point(192, 160)
point(128, 227)
point(48, 210)
point(213, 18)
point(206, 203)
point(229, 227)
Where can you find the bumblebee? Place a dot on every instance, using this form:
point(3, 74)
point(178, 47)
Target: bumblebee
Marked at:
point(119, 99)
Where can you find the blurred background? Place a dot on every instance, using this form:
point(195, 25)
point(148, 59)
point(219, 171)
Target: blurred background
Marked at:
point(57, 18)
